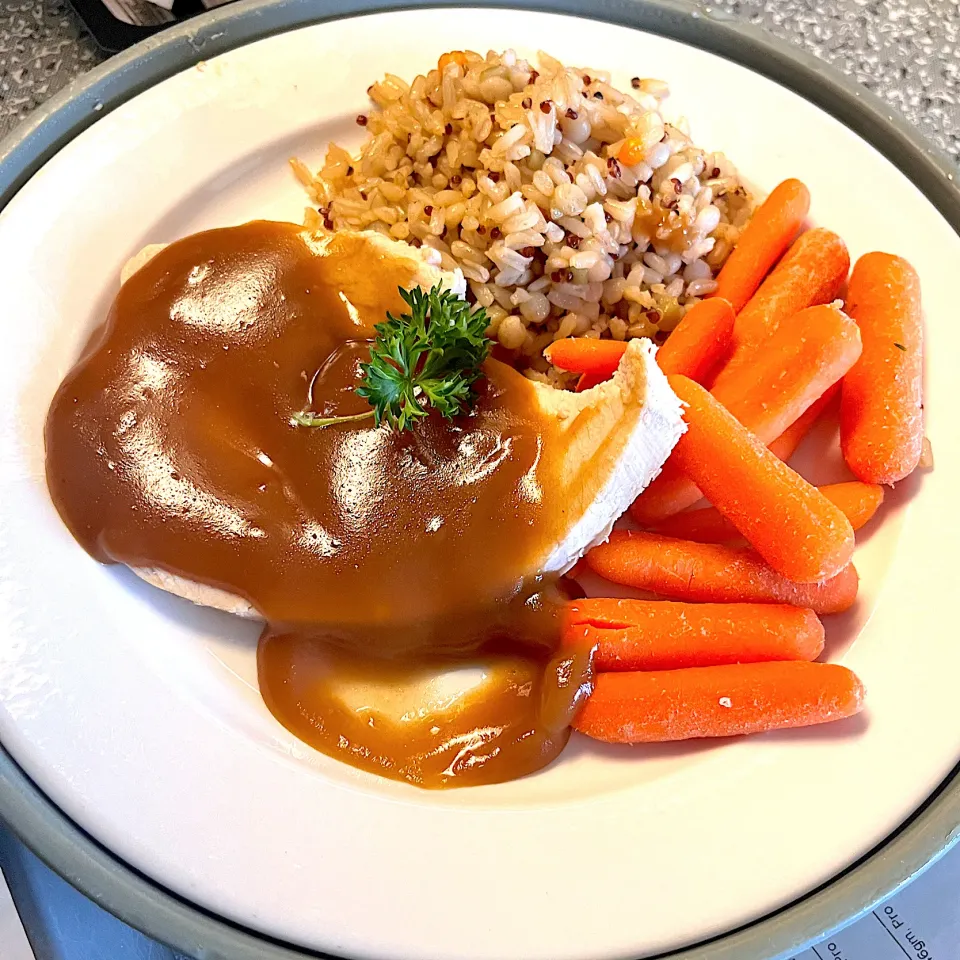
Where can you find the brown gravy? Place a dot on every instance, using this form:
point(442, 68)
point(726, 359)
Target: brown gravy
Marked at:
point(379, 559)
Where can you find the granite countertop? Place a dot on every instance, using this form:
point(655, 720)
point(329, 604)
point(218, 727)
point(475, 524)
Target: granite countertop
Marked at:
point(908, 51)
point(43, 46)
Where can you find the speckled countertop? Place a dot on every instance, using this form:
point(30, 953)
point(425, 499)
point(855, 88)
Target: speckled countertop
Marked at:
point(908, 51)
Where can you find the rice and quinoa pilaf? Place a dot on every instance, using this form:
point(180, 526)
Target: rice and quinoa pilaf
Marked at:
point(572, 208)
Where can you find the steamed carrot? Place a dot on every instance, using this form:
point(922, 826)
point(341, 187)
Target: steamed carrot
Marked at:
point(812, 272)
point(706, 525)
point(771, 230)
point(858, 501)
point(797, 365)
point(454, 56)
point(881, 408)
point(793, 526)
point(700, 341)
point(710, 573)
point(697, 344)
point(586, 354)
point(724, 701)
point(668, 494)
point(589, 380)
point(785, 446)
point(663, 635)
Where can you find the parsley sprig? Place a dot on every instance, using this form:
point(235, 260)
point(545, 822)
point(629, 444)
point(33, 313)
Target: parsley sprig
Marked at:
point(427, 358)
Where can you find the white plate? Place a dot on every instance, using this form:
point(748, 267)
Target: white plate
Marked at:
point(138, 714)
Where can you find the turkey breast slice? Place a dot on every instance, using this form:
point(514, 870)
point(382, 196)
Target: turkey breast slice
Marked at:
point(617, 437)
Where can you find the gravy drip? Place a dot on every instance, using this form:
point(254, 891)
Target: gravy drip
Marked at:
point(407, 632)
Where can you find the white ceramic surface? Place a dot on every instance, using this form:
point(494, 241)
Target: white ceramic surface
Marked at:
point(138, 714)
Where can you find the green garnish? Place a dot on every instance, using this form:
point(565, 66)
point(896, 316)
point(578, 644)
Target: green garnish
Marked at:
point(427, 358)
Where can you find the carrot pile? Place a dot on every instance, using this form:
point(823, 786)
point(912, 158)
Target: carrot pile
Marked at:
point(799, 363)
point(791, 524)
point(811, 273)
point(729, 647)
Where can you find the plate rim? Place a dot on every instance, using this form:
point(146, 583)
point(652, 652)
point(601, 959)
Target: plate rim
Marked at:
point(123, 891)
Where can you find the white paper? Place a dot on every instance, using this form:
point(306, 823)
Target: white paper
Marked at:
point(921, 922)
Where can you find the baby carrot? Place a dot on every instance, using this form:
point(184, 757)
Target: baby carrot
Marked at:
point(858, 501)
point(770, 231)
point(454, 56)
point(706, 525)
point(724, 701)
point(881, 407)
point(663, 635)
point(700, 340)
point(666, 495)
point(785, 446)
point(588, 380)
point(586, 354)
point(812, 272)
point(711, 573)
point(694, 348)
point(793, 526)
point(797, 365)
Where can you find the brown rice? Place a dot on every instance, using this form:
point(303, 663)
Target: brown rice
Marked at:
point(511, 174)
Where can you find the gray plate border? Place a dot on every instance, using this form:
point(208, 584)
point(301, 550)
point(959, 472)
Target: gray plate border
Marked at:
point(120, 889)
